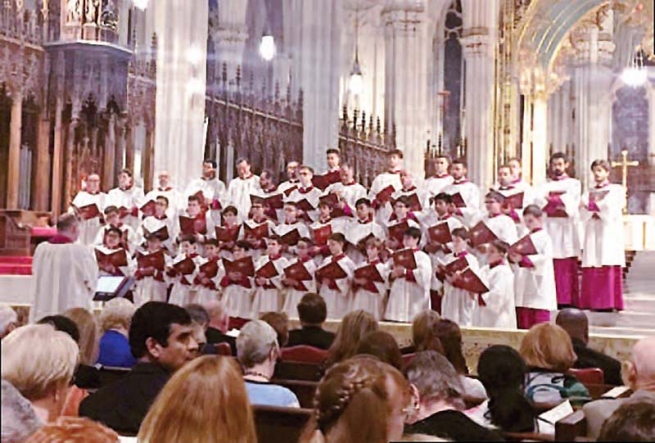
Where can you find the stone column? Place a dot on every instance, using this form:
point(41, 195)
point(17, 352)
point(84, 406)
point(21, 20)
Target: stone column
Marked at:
point(109, 172)
point(129, 149)
point(57, 156)
point(230, 35)
point(13, 167)
point(651, 125)
point(407, 47)
point(42, 173)
point(539, 138)
point(148, 158)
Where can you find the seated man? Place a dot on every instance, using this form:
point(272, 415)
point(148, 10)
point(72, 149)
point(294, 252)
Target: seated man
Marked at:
point(576, 324)
point(217, 327)
point(312, 312)
point(639, 376)
point(161, 339)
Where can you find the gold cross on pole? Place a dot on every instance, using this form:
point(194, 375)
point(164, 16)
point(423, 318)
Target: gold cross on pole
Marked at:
point(624, 164)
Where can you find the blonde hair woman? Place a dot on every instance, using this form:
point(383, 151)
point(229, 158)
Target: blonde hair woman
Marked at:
point(354, 326)
point(74, 430)
point(215, 407)
point(39, 362)
point(88, 328)
point(548, 353)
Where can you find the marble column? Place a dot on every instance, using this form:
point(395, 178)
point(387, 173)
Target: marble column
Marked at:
point(148, 159)
point(539, 156)
point(109, 172)
point(42, 174)
point(407, 48)
point(57, 156)
point(13, 166)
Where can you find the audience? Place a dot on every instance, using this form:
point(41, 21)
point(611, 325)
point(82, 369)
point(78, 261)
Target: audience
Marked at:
point(312, 312)
point(63, 324)
point(280, 322)
point(114, 346)
point(258, 351)
point(638, 375)
point(383, 346)
point(200, 318)
point(8, 320)
point(215, 408)
point(353, 327)
point(74, 430)
point(502, 371)
point(161, 338)
point(634, 420)
point(438, 399)
point(217, 329)
point(88, 329)
point(359, 400)
point(424, 338)
point(18, 417)
point(548, 352)
point(576, 324)
point(39, 362)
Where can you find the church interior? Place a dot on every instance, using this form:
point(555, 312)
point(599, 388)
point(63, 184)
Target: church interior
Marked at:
point(91, 88)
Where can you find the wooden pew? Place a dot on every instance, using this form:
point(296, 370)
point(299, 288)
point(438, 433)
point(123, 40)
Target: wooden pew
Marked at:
point(280, 425)
point(304, 390)
point(571, 427)
point(526, 436)
point(286, 370)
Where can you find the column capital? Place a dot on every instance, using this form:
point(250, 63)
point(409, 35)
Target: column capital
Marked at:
point(399, 17)
point(229, 35)
point(477, 44)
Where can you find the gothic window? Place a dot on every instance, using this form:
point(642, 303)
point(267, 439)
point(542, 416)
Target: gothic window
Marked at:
point(452, 78)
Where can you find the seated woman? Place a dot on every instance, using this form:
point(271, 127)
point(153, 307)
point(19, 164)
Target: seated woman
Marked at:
point(258, 351)
point(502, 372)
point(115, 320)
point(359, 400)
point(280, 322)
point(548, 352)
point(423, 333)
point(438, 394)
point(383, 346)
point(353, 327)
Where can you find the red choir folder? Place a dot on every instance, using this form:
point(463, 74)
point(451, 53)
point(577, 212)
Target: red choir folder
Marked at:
point(273, 201)
point(244, 266)
point(385, 195)
point(267, 271)
point(225, 234)
point(524, 246)
point(185, 267)
point(88, 212)
point(514, 201)
point(371, 274)
point(458, 200)
point(192, 226)
point(117, 258)
point(323, 181)
point(322, 234)
point(148, 209)
point(305, 205)
point(331, 199)
point(470, 281)
point(299, 273)
point(291, 238)
point(404, 258)
point(440, 233)
point(414, 202)
point(161, 233)
point(259, 232)
point(456, 266)
point(480, 234)
point(153, 260)
point(331, 271)
point(555, 210)
point(123, 212)
point(289, 190)
point(596, 195)
point(397, 231)
point(209, 269)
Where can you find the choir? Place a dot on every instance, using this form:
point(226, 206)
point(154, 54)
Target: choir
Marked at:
point(504, 258)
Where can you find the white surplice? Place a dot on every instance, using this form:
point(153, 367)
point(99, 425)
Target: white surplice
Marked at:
point(497, 309)
point(128, 233)
point(285, 186)
point(437, 183)
point(239, 191)
point(293, 296)
point(204, 294)
point(269, 299)
point(127, 271)
point(603, 236)
point(338, 300)
point(356, 231)
point(349, 193)
point(154, 224)
point(236, 298)
point(212, 189)
point(564, 231)
point(440, 256)
point(89, 228)
point(471, 195)
point(312, 195)
point(421, 194)
point(176, 199)
point(383, 212)
point(184, 291)
point(151, 288)
point(408, 297)
point(132, 197)
point(65, 276)
point(458, 304)
point(373, 302)
point(534, 287)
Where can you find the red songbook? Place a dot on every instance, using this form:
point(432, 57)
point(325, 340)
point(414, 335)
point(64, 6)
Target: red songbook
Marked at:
point(404, 258)
point(161, 233)
point(245, 266)
point(117, 258)
point(274, 201)
point(456, 266)
point(555, 210)
point(330, 199)
point(305, 205)
point(185, 267)
point(259, 232)
point(514, 201)
point(149, 208)
point(88, 212)
point(414, 202)
point(299, 273)
point(371, 274)
point(323, 181)
point(267, 271)
point(192, 226)
point(458, 200)
point(480, 234)
point(596, 195)
point(331, 271)
point(123, 212)
point(322, 234)
point(524, 246)
point(397, 231)
point(289, 190)
point(154, 260)
point(225, 234)
point(385, 195)
point(471, 282)
point(210, 268)
point(440, 233)
point(291, 238)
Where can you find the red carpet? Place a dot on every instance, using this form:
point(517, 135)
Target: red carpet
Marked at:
point(15, 265)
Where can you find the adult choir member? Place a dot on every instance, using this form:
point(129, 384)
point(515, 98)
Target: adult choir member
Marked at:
point(88, 204)
point(127, 198)
point(241, 187)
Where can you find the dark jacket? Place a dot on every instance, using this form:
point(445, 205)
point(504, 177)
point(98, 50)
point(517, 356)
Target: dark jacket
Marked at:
point(215, 336)
point(453, 425)
point(123, 405)
point(589, 358)
point(311, 336)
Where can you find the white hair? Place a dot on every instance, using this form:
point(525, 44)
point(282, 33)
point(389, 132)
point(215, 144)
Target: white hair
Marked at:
point(116, 313)
point(7, 317)
point(255, 342)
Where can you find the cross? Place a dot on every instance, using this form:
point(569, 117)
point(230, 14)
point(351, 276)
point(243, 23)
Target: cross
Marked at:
point(625, 164)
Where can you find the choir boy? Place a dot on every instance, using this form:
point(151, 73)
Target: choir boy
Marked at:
point(369, 292)
point(517, 196)
point(534, 279)
point(127, 198)
point(183, 271)
point(401, 217)
point(516, 170)
point(175, 198)
point(292, 178)
point(252, 231)
point(296, 288)
point(306, 196)
point(500, 224)
point(241, 187)
point(88, 205)
point(237, 288)
point(385, 184)
point(417, 197)
point(441, 178)
point(112, 219)
point(333, 157)
point(560, 200)
point(466, 195)
point(335, 286)
point(323, 228)
point(603, 255)
point(496, 308)
point(332, 175)
point(348, 190)
point(268, 190)
point(206, 281)
point(458, 303)
point(150, 273)
point(360, 229)
point(212, 190)
point(229, 231)
point(195, 222)
point(410, 288)
point(160, 222)
point(269, 272)
point(286, 230)
point(112, 245)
